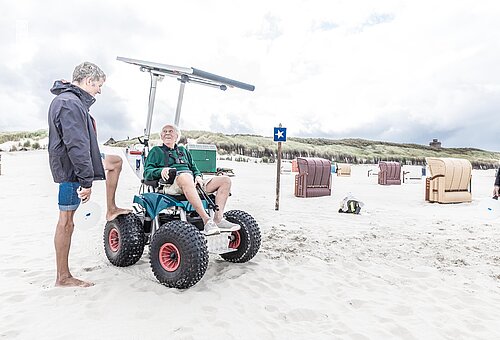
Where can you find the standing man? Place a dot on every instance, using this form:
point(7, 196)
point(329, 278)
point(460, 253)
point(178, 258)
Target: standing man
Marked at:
point(496, 187)
point(75, 159)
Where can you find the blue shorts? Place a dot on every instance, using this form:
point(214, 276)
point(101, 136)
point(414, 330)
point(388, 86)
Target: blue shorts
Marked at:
point(68, 197)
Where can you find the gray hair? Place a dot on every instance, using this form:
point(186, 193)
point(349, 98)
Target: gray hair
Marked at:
point(176, 129)
point(88, 70)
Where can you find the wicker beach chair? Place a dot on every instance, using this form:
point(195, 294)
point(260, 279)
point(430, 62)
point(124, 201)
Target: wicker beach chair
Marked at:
point(389, 173)
point(314, 177)
point(343, 169)
point(450, 180)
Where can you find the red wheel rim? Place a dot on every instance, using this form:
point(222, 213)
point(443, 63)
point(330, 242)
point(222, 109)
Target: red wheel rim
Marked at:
point(234, 240)
point(114, 240)
point(170, 257)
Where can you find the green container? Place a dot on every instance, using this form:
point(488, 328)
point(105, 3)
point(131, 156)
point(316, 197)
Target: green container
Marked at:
point(204, 155)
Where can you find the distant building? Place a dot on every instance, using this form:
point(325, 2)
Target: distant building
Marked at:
point(110, 141)
point(435, 144)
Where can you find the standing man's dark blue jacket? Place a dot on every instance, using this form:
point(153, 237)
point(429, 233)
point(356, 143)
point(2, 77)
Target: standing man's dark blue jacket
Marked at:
point(74, 153)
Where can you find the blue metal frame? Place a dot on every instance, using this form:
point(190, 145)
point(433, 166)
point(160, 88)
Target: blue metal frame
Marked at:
point(154, 203)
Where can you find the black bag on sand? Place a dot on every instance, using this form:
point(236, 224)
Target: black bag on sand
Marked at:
point(352, 207)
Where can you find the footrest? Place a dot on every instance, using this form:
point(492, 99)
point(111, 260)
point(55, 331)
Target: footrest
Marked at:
point(219, 243)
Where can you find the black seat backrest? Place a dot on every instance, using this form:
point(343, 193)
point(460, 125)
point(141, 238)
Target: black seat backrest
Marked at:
point(153, 183)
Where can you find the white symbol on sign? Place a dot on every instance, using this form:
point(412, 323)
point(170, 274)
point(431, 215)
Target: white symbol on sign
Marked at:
point(279, 134)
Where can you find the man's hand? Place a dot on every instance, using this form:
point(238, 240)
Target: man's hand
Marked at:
point(84, 194)
point(199, 180)
point(496, 190)
point(164, 173)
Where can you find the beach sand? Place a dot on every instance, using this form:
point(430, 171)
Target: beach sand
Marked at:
point(403, 269)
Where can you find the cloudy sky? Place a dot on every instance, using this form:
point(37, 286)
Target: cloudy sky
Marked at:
point(402, 71)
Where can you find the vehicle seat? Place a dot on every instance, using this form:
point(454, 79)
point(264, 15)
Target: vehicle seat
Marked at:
point(156, 185)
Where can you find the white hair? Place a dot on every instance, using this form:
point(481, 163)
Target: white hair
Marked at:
point(176, 129)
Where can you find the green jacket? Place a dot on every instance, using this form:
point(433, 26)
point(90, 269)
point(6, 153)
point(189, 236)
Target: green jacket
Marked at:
point(157, 160)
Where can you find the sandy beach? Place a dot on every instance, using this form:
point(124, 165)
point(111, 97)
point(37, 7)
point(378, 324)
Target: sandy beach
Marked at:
point(402, 269)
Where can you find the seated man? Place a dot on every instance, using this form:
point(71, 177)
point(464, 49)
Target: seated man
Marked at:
point(162, 158)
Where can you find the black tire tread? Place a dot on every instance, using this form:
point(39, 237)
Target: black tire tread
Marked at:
point(250, 237)
point(132, 240)
point(194, 254)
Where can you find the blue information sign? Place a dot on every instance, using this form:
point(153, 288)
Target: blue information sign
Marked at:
point(280, 134)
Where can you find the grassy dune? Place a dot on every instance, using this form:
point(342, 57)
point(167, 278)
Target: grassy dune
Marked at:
point(343, 150)
point(354, 151)
point(18, 135)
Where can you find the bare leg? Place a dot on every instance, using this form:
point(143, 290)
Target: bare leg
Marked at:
point(221, 184)
point(62, 243)
point(185, 182)
point(113, 167)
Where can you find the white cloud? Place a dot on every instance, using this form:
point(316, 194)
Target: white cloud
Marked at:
point(403, 71)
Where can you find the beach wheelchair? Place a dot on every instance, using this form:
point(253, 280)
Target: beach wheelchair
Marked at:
point(178, 249)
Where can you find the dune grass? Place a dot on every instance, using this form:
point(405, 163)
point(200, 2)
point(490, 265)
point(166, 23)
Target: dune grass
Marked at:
point(18, 135)
point(356, 151)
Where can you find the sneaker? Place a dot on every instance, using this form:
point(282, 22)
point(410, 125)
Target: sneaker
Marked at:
point(211, 228)
point(225, 225)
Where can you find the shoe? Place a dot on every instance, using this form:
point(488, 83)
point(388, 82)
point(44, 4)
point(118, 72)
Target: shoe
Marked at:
point(225, 225)
point(211, 228)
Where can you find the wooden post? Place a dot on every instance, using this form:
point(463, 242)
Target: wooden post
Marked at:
point(427, 189)
point(278, 177)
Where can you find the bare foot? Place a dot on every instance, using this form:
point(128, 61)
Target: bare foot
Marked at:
point(73, 282)
point(114, 213)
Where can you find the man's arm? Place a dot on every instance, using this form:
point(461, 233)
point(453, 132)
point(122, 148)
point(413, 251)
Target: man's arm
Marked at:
point(76, 138)
point(154, 164)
